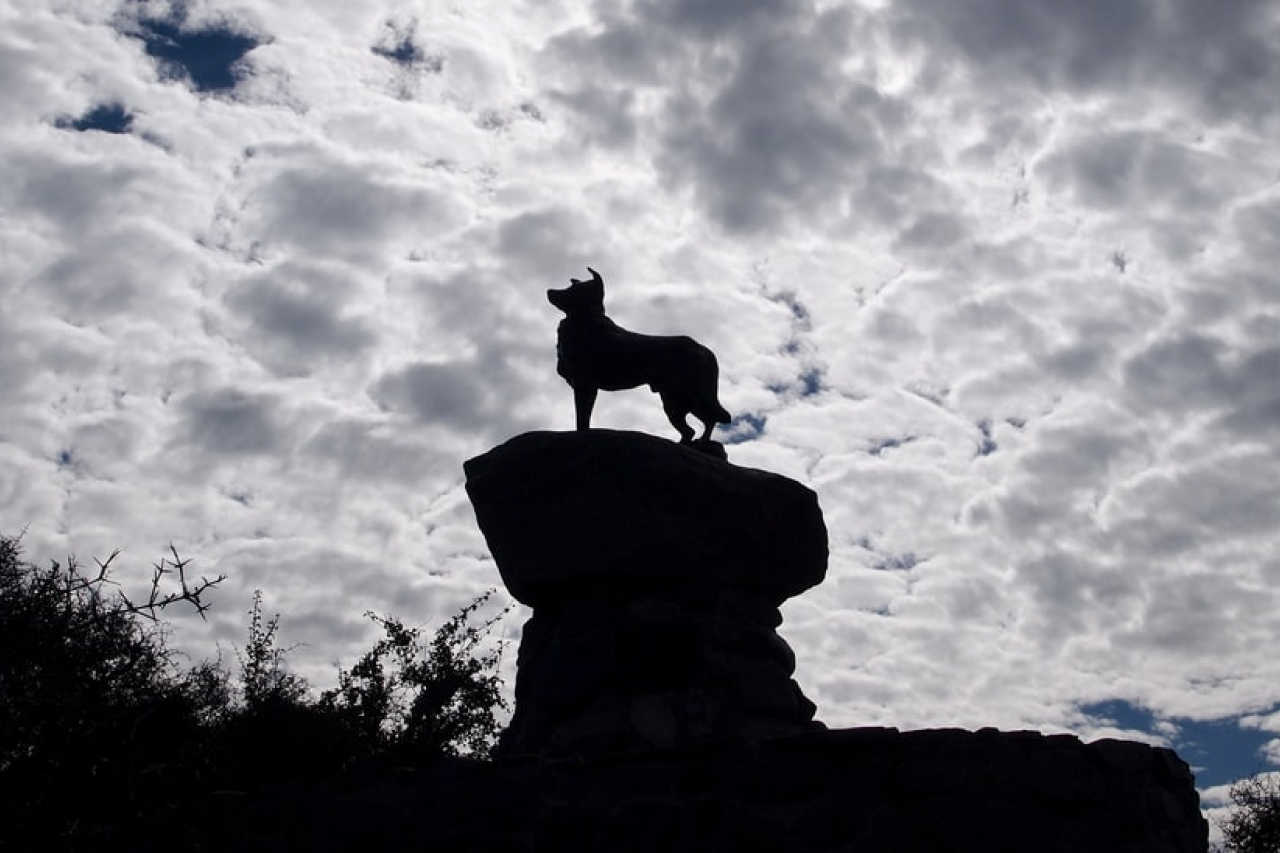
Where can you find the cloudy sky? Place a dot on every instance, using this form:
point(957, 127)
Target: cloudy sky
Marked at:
point(997, 279)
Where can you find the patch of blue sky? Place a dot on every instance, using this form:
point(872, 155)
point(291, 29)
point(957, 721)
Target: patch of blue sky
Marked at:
point(745, 427)
point(206, 56)
point(1219, 751)
point(108, 118)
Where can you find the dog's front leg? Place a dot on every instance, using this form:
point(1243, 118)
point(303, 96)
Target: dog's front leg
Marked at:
point(584, 400)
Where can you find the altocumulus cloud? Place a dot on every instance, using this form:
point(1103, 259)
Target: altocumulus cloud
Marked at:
point(997, 280)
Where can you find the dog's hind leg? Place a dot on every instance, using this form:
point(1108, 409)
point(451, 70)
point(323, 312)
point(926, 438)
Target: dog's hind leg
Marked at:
point(677, 415)
point(710, 416)
point(584, 400)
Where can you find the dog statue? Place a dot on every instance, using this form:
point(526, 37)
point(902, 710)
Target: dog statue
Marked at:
point(594, 353)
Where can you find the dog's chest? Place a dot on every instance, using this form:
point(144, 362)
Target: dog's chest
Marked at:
point(595, 351)
point(579, 341)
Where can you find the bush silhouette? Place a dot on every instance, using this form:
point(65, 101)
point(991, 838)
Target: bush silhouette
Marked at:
point(1253, 824)
point(100, 727)
point(423, 698)
point(96, 720)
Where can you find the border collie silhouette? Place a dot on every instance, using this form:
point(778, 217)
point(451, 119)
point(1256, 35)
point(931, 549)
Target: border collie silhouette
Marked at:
point(593, 353)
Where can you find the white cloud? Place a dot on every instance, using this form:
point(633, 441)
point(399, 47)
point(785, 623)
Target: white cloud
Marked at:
point(997, 284)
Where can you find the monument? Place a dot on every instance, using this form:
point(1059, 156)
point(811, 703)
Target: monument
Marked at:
point(654, 572)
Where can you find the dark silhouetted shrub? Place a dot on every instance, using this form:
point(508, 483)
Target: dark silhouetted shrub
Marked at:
point(418, 697)
point(1253, 823)
point(100, 727)
point(96, 720)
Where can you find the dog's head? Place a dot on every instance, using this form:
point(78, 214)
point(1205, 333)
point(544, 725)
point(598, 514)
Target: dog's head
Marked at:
point(580, 298)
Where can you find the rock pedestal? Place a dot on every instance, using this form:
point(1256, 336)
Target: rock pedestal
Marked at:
point(655, 574)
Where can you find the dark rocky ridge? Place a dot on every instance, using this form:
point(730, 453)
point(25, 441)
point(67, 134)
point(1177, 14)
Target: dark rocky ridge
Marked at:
point(857, 790)
point(655, 572)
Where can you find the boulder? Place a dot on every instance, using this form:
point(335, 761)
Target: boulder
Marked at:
point(563, 511)
point(655, 572)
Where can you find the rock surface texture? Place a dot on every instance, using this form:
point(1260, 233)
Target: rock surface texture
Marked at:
point(655, 573)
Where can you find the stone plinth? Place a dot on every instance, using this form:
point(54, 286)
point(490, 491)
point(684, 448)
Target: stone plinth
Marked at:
point(655, 573)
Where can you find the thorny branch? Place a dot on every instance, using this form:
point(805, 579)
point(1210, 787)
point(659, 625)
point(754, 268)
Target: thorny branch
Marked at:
point(188, 591)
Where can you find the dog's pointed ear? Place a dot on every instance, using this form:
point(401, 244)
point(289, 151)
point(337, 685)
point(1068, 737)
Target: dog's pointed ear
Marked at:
point(595, 276)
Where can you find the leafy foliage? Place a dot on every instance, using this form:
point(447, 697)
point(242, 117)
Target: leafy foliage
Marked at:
point(263, 678)
point(271, 731)
point(424, 697)
point(99, 726)
point(1253, 824)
